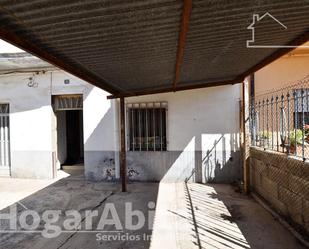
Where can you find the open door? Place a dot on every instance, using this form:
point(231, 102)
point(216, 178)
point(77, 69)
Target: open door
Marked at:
point(70, 142)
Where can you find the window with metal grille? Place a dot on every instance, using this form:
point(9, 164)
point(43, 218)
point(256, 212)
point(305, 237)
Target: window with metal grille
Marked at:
point(301, 107)
point(147, 126)
point(4, 139)
point(4, 108)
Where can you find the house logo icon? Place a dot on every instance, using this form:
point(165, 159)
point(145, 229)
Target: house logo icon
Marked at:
point(257, 19)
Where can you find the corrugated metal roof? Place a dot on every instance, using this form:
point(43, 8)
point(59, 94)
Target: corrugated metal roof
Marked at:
point(131, 46)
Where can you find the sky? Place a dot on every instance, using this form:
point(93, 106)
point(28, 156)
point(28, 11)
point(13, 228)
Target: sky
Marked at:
point(8, 48)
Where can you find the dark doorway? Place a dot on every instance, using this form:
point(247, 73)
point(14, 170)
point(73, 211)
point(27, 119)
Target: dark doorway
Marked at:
point(70, 136)
point(75, 142)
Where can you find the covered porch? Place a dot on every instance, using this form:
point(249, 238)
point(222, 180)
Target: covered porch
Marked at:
point(185, 215)
point(133, 49)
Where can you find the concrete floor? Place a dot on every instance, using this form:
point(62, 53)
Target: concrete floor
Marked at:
point(186, 216)
point(215, 217)
point(14, 189)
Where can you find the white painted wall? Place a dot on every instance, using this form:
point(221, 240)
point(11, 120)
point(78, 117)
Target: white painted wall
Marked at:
point(99, 118)
point(210, 112)
point(98, 111)
point(100, 135)
point(76, 85)
point(32, 120)
point(30, 124)
point(25, 105)
point(100, 124)
point(196, 121)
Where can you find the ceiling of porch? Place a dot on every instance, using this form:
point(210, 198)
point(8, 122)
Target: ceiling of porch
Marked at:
point(146, 46)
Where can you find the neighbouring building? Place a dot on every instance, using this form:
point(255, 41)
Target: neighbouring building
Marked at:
point(281, 99)
point(50, 118)
point(283, 72)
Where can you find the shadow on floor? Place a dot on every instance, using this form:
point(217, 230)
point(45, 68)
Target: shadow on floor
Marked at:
point(223, 218)
point(75, 193)
point(186, 216)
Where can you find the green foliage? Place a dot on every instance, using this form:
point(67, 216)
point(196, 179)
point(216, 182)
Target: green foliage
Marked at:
point(264, 134)
point(296, 137)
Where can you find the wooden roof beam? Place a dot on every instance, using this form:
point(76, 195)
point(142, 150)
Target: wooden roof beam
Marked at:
point(186, 13)
point(183, 87)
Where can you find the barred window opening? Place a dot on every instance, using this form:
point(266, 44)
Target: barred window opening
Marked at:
point(4, 138)
point(301, 114)
point(147, 126)
point(4, 108)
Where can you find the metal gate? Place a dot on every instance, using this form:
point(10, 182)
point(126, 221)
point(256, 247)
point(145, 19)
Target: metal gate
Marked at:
point(4, 140)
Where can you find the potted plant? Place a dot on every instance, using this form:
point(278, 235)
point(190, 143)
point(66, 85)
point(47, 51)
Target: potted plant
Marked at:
point(296, 138)
point(264, 137)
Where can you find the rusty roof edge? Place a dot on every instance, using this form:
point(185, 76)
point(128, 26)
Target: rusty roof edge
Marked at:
point(184, 27)
point(185, 86)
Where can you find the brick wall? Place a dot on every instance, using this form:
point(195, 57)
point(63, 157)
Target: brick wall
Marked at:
point(283, 182)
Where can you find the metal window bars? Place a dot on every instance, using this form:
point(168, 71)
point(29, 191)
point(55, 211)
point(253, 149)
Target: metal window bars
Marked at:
point(4, 108)
point(147, 126)
point(280, 122)
point(4, 136)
